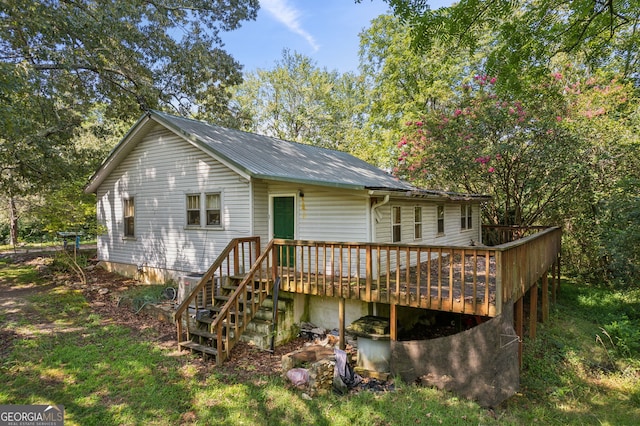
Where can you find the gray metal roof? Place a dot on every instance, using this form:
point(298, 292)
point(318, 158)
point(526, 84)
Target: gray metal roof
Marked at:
point(270, 158)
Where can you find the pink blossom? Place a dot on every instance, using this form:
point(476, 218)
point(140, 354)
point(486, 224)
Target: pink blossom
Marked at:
point(457, 112)
point(498, 157)
point(493, 80)
point(482, 160)
point(558, 118)
point(419, 123)
point(557, 76)
point(491, 170)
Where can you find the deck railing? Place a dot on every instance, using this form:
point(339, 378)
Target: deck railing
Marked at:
point(470, 279)
point(524, 261)
point(243, 304)
point(234, 260)
point(459, 279)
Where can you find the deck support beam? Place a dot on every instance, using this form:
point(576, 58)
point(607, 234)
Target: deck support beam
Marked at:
point(341, 303)
point(519, 326)
point(533, 310)
point(393, 322)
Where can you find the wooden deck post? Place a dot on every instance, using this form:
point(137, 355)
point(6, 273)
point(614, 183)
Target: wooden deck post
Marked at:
point(519, 326)
point(393, 329)
point(341, 302)
point(533, 310)
point(545, 297)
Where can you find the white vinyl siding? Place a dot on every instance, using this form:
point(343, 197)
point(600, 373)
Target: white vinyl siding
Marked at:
point(161, 170)
point(327, 214)
point(430, 236)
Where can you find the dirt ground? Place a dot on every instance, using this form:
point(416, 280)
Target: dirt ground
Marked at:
point(102, 293)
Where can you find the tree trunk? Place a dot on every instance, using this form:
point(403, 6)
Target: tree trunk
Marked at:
point(13, 221)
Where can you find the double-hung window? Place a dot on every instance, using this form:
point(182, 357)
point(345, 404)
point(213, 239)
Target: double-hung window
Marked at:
point(213, 209)
point(193, 210)
point(128, 208)
point(417, 223)
point(396, 224)
point(466, 216)
point(204, 209)
point(440, 219)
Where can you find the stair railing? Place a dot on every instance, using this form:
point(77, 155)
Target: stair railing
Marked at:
point(234, 259)
point(241, 308)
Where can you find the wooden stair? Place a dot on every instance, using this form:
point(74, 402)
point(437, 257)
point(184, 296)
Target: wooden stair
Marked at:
point(201, 336)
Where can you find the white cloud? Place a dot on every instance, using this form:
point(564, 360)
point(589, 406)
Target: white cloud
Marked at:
point(288, 15)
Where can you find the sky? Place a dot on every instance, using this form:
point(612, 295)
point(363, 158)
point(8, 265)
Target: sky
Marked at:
point(326, 31)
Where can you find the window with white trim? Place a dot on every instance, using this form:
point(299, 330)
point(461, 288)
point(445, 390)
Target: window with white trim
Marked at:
point(212, 212)
point(396, 224)
point(440, 219)
point(417, 223)
point(466, 216)
point(193, 210)
point(128, 210)
point(204, 208)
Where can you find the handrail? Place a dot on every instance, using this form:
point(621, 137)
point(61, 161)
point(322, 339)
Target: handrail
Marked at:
point(224, 256)
point(235, 317)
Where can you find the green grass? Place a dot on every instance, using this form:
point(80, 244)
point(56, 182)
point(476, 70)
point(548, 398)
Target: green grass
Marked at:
point(106, 374)
point(17, 274)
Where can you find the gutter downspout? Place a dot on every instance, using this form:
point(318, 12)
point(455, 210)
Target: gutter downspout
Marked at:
point(375, 216)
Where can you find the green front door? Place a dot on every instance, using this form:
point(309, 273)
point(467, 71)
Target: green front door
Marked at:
point(284, 215)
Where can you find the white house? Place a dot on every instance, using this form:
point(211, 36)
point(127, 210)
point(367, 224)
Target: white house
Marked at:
point(174, 192)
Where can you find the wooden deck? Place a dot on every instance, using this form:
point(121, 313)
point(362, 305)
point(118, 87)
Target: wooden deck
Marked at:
point(469, 280)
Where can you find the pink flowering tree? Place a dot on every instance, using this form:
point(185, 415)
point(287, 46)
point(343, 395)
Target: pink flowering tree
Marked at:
point(531, 155)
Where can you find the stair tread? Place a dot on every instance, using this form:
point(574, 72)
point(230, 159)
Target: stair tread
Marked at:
point(198, 347)
point(249, 289)
point(210, 320)
point(203, 333)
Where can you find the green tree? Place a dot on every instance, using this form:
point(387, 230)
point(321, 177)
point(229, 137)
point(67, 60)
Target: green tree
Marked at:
point(527, 35)
point(60, 58)
point(298, 101)
point(561, 155)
